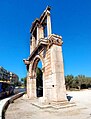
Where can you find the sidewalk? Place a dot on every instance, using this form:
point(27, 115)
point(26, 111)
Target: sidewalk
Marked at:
point(23, 109)
point(2, 105)
point(5, 102)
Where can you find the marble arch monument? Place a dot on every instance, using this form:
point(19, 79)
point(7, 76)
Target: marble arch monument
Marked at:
point(46, 47)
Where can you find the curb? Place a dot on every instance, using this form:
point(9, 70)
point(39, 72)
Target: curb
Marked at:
point(5, 102)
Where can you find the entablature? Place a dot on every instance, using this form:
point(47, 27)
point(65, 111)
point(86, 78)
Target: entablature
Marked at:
point(44, 42)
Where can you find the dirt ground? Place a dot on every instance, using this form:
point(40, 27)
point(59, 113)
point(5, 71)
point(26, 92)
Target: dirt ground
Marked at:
point(23, 109)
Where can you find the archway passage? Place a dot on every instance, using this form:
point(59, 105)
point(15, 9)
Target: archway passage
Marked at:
point(39, 80)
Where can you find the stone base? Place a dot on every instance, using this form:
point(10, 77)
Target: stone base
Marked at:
point(54, 105)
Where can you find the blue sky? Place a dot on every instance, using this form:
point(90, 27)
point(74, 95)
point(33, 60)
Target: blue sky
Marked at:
point(70, 18)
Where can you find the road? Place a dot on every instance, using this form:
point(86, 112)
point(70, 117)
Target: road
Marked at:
point(16, 90)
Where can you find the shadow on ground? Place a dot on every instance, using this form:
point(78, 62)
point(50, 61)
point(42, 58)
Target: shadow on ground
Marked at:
point(69, 97)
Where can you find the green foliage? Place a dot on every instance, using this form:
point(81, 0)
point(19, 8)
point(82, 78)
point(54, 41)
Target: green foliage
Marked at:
point(39, 76)
point(69, 81)
point(24, 80)
point(78, 82)
point(39, 82)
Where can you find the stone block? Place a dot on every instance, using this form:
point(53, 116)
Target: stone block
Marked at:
point(57, 67)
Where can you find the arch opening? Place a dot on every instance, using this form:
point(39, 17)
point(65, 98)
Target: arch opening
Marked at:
point(39, 79)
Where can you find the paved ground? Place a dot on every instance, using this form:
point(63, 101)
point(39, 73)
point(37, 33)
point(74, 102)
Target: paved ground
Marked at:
point(22, 108)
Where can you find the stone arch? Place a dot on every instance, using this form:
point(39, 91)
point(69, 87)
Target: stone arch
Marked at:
point(49, 51)
point(34, 64)
point(38, 90)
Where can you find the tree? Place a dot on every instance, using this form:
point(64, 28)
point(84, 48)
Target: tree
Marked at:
point(24, 80)
point(39, 82)
point(78, 82)
point(39, 77)
point(69, 81)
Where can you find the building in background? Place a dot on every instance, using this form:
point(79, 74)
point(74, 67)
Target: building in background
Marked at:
point(14, 78)
point(8, 76)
